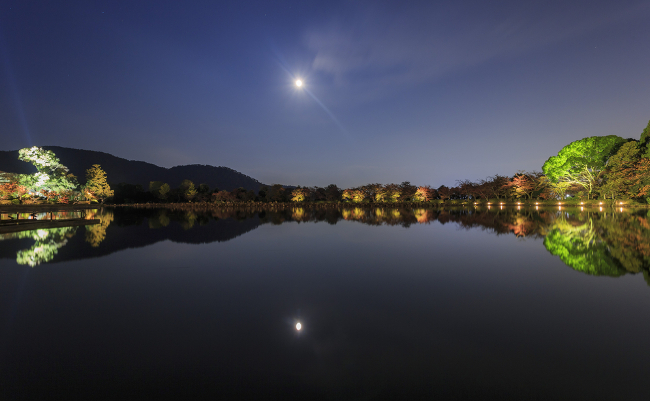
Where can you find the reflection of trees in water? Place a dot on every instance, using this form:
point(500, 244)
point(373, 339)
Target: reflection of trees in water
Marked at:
point(48, 242)
point(578, 244)
point(159, 221)
point(189, 219)
point(610, 244)
point(604, 244)
point(628, 240)
point(96, 233)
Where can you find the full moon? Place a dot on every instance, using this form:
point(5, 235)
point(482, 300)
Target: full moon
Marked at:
point(298, 84)
point(298, 325)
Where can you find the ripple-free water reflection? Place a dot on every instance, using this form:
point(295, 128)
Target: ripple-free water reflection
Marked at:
point(611, 243)
point(328, 303)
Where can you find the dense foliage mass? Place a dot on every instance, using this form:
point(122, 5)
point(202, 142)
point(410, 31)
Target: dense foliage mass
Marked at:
point(606, 168)
point(52, 182)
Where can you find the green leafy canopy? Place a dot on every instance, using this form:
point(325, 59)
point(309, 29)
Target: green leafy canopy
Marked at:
point(588, 154)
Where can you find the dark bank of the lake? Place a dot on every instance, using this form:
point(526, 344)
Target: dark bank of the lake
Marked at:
point(394, 303)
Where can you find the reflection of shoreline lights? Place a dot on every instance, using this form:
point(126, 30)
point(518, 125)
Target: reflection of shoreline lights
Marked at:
point(298, 326)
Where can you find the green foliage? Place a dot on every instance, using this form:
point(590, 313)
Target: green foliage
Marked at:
point(645, 135)
point(300, 194)
point(51, 175)
point(582, 162)
point(188, 189)
point(96, 183)
point(618, 181)
point(163, 191)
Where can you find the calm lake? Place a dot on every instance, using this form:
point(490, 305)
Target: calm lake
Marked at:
point(464, 303)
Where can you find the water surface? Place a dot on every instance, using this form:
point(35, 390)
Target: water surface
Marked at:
point(456, 304)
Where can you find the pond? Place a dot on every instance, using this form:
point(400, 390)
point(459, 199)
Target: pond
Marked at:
point(329, 303)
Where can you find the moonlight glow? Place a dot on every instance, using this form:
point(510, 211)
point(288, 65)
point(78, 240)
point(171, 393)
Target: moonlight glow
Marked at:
point(298, 84)
point(298, 326)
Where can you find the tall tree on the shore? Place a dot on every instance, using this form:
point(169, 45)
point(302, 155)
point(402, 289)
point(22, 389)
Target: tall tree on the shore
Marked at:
point(51, 175)
point(583, 162)
point(188, 190)
point(618, 176)
point(96, 183)
point(163, 191)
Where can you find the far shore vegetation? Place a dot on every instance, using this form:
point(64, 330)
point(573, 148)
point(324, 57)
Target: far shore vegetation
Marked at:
point(606, 170)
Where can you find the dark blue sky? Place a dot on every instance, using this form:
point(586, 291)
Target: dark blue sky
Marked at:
point(428, 92)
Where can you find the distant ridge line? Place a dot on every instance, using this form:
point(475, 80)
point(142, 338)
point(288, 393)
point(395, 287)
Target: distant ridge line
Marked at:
point(136, 172)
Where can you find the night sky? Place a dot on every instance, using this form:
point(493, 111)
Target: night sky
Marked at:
point(428, 92)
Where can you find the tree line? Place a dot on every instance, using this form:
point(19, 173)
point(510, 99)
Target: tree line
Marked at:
point(597, 167)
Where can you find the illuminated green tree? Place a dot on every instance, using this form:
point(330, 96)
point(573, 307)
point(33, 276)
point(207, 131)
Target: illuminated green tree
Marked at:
point(96, 183)
point(582, 162)
point(189, 191)
point(354, 194)
point(300, 194)
point(163, 191)
point(51, 175)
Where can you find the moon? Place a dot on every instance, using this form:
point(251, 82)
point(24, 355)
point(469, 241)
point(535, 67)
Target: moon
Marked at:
point(298, 83)
point(298, 326)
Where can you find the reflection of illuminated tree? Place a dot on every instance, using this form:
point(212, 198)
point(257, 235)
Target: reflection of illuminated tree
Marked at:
point(48, 242)
point(159, 221)
point(353, 214)
point(188, 220)
point(628, 240)
point(96, 233)
point(581, 249)
point(299, 214)
point(522, 226)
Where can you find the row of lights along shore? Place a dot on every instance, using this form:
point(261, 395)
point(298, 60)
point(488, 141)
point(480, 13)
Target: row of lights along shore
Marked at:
point(559, 204)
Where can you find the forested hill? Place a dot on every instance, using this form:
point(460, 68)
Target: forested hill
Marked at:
point(120, 170)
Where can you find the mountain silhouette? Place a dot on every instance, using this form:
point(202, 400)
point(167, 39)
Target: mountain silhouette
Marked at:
point(119, 170)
